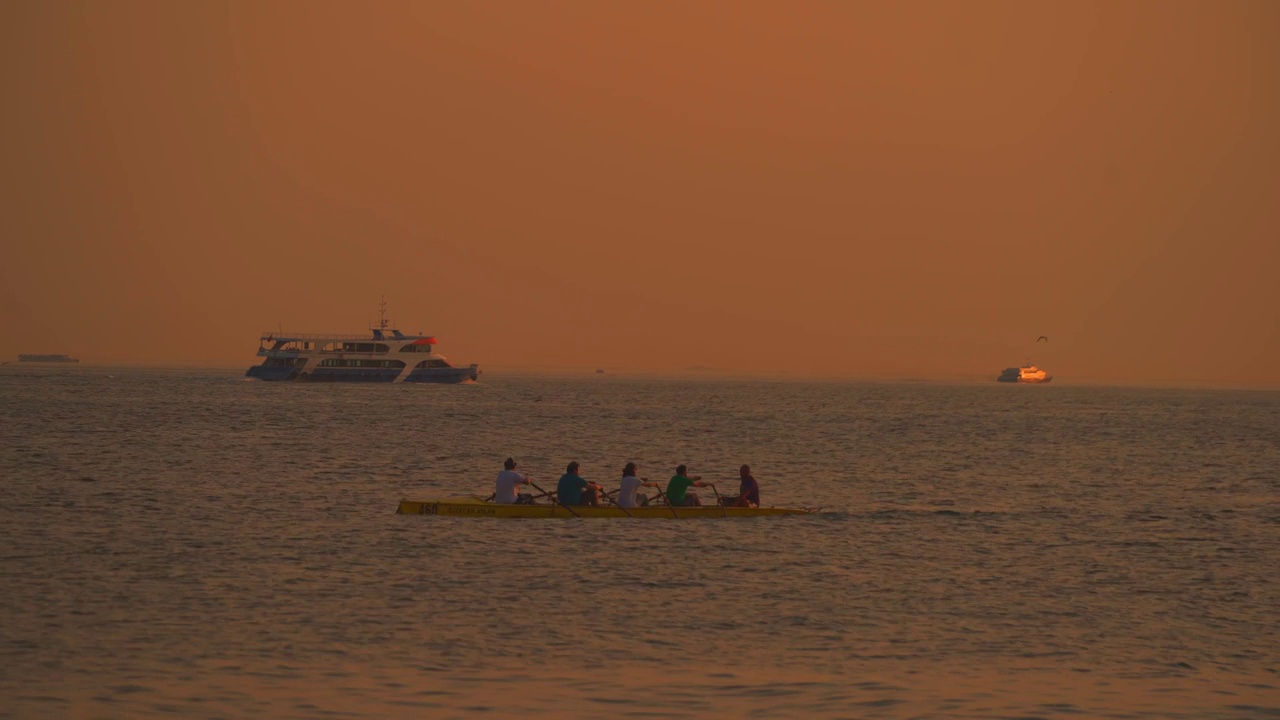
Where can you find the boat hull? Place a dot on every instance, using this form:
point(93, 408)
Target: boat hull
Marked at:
point(363, 375)
point(47, 359)
point(443, 375)
point(477, 507)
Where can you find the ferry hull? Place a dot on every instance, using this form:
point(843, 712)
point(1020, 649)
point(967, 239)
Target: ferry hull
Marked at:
point(261, 372)
point(476, 507)
point(364, 375)
point(47, 359)
point(443, 375)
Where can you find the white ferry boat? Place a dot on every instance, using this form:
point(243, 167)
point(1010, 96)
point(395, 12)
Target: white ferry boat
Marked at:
point(1024, 374)
point(383, 355)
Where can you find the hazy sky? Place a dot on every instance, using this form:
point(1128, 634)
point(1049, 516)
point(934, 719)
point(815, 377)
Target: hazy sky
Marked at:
point(830, 188)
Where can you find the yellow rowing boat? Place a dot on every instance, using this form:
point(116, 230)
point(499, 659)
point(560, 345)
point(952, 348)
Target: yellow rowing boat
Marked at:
point(479, 507)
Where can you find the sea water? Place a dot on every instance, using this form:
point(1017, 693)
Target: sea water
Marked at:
point(191, 543)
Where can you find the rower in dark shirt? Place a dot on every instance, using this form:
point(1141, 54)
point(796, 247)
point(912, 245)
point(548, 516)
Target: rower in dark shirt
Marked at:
point(748, 491)
point(573, 489)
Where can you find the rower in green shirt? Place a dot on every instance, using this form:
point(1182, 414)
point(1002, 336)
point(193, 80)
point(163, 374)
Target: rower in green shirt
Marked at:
point(678, 488)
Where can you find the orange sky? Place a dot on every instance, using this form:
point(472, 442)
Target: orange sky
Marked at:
point(830, 188)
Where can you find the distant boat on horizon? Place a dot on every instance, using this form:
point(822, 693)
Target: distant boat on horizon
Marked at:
point(47, 359)
point(1024, 374)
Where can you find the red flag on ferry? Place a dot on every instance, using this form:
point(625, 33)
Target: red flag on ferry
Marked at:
point(424, 341)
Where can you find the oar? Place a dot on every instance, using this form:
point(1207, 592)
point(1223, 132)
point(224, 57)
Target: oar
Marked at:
point(554, 499)
point(607, 496)
point(668, 502)
point(723, 512)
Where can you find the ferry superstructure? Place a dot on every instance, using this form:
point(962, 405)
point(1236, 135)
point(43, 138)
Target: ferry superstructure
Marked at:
point(383, 355)
point(1024, 374)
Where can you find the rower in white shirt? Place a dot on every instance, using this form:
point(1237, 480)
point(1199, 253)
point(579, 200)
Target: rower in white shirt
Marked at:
point(631, 486)
point(508, 479)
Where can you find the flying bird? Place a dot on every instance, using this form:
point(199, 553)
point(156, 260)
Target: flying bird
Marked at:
point(1042, 337)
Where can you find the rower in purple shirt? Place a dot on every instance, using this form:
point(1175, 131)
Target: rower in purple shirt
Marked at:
point(748, 492)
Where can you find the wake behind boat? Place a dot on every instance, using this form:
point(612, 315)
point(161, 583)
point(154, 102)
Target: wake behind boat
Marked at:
point(383, 355)
point(476, 506)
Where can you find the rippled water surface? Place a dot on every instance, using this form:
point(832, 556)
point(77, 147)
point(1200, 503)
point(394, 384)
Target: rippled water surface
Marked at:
point(195, 544)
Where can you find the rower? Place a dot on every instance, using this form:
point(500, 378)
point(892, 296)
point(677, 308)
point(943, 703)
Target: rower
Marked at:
point(574, 490)
point(630, 486)
point(505, 487)
point(748, 491)
point(678, 488)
